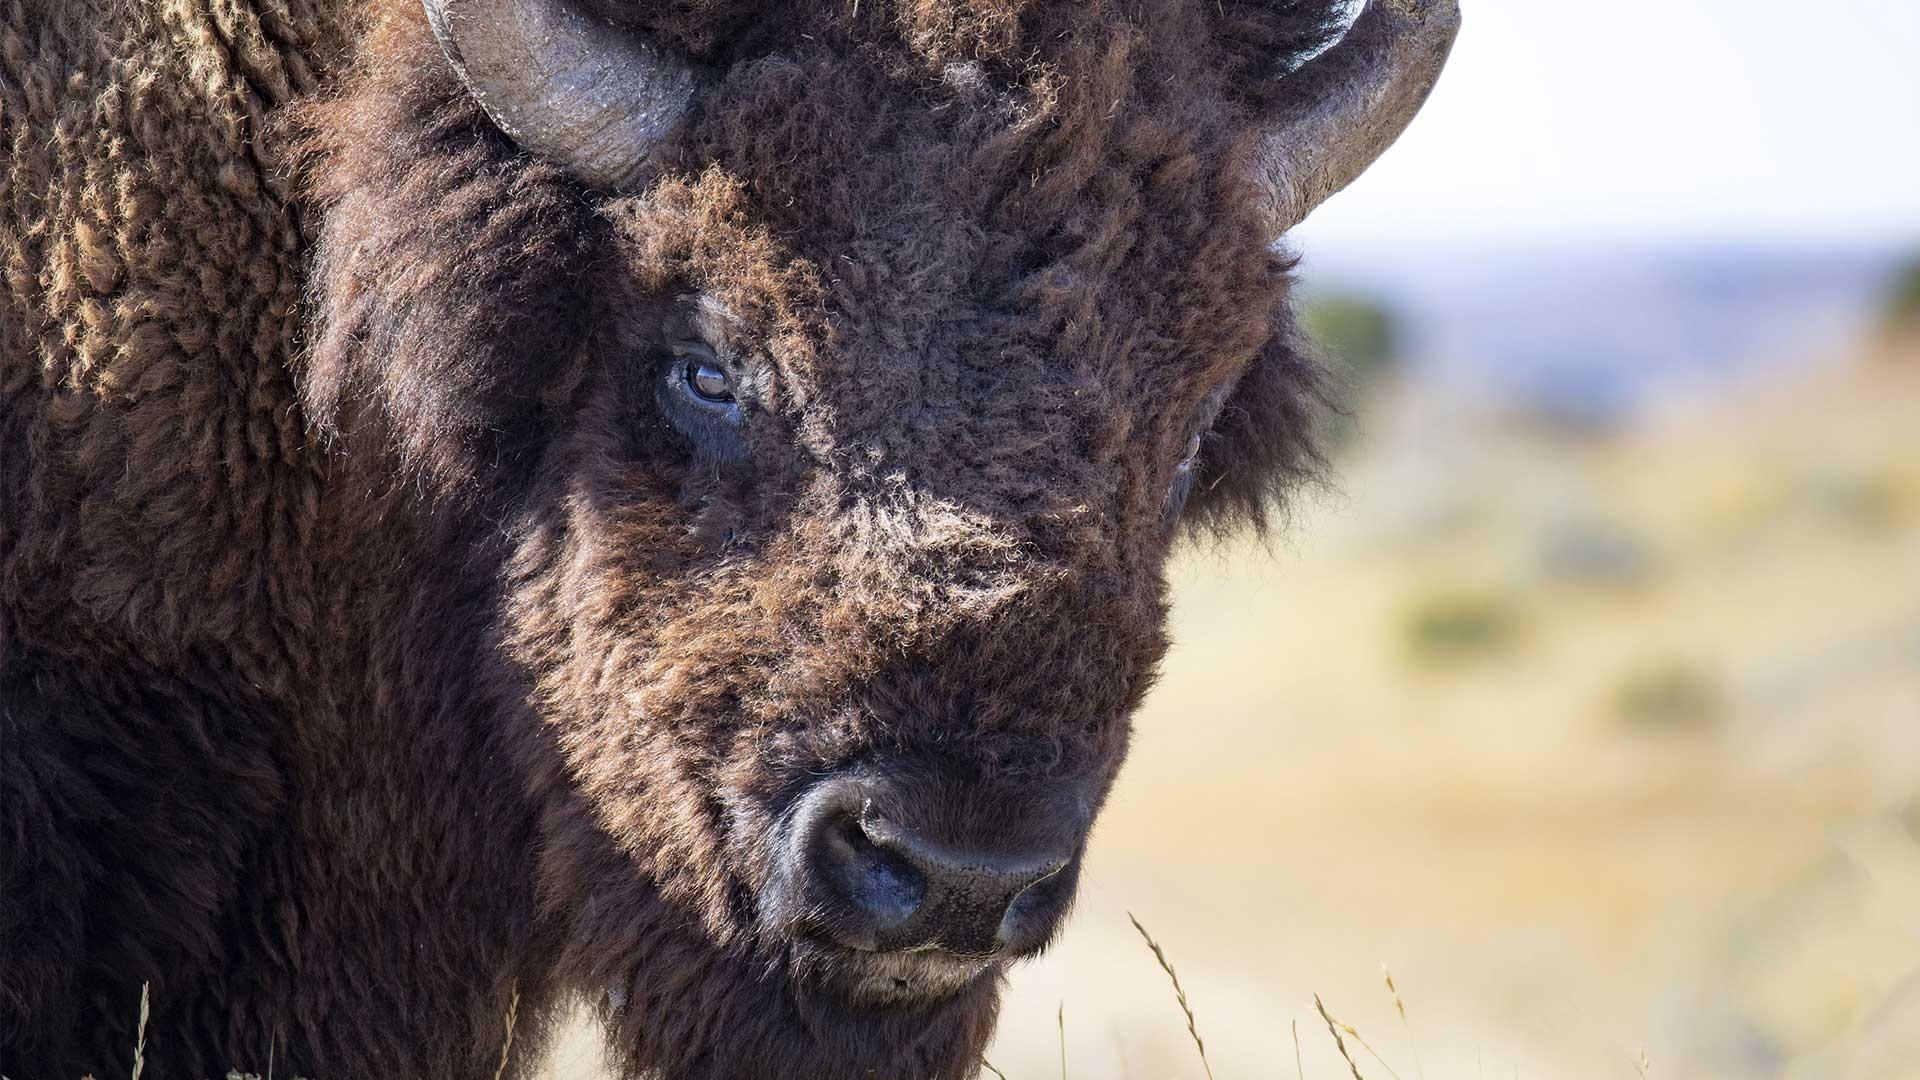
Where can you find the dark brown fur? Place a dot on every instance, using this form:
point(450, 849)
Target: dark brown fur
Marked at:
point(370, 652)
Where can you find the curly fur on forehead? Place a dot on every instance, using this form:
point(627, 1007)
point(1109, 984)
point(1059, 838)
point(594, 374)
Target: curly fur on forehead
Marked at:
point(1080, 166)
point(1256, 37)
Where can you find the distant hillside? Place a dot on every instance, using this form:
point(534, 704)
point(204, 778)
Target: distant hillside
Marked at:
point(1597, 333)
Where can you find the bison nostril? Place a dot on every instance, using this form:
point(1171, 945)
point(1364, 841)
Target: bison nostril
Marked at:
point(1030, 918)
point(884, 890)
point(854, 874)
point(975, 902)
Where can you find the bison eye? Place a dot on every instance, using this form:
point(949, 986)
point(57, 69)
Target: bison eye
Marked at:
point(709, 383)
point(699, 400)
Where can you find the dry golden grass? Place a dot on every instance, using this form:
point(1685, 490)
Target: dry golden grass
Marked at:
point(506, 1044)
point(1179, 993)
point(1339, 1043)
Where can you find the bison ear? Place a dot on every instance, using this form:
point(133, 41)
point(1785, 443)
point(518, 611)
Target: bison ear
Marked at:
point(567, 86)
point(1337, 113)
point(1265, 441)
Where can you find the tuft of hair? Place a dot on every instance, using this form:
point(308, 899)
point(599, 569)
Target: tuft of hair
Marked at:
point(1266, 444)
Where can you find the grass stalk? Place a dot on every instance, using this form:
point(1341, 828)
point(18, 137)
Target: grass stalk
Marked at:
point(1179, 993)
point(1413, 1046)
point(1354, 1034)
point(506, 1044)
point(1334, 1031)
point(140, 1035)
point(1060, 1019)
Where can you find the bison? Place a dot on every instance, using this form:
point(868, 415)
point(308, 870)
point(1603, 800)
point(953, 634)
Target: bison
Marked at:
point(506, 503)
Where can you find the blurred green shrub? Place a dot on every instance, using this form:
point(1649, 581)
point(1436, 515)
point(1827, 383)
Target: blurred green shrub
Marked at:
point(1594, 553)
point(1901, 313)
point(1874, 498)
point(1669, 694)
point(1363, 336)
point(1358, 330)
point(1459, 623)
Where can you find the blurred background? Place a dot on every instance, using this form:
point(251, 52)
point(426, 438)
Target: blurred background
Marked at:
point(1589, 700)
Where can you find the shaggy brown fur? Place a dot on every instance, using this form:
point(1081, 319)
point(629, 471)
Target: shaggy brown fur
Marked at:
point(371, 651)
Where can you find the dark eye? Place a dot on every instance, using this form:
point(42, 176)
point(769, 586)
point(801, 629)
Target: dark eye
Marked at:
point(709, 382)
point(700, 400)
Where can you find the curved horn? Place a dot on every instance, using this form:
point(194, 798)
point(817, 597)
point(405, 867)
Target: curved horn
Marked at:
point(566, 86)
point(1347, 105)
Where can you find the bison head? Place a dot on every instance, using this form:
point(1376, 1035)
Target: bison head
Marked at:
point(814, 392)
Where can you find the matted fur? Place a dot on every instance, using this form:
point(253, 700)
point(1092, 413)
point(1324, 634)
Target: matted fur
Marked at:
point(370, 650)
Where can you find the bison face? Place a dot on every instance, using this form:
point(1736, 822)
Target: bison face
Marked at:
point(820, 421)
point(843, 573)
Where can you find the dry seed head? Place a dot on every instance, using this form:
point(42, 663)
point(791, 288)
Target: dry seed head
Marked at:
point(1179, 993)
point(1334, 1031)
point(506, 1044)
point(140, 1036)
point(1413, 1047)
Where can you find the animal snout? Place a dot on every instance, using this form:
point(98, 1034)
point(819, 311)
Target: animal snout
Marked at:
point(872, 871)
point(903, 891)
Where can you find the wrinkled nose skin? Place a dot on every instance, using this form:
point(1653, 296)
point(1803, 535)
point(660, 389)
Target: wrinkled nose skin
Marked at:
point(870, 865)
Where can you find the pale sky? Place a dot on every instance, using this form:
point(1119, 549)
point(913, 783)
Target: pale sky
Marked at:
point(1656, 120)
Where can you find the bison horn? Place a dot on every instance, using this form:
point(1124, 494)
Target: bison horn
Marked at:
point(1347, 105)
point(564, 85)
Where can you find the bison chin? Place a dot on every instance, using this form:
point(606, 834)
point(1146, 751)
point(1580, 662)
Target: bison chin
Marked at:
point(891, 898)
point(736, 1017)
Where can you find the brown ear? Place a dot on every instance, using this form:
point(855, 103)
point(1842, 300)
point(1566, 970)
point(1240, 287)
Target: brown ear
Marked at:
point(1264, 443)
